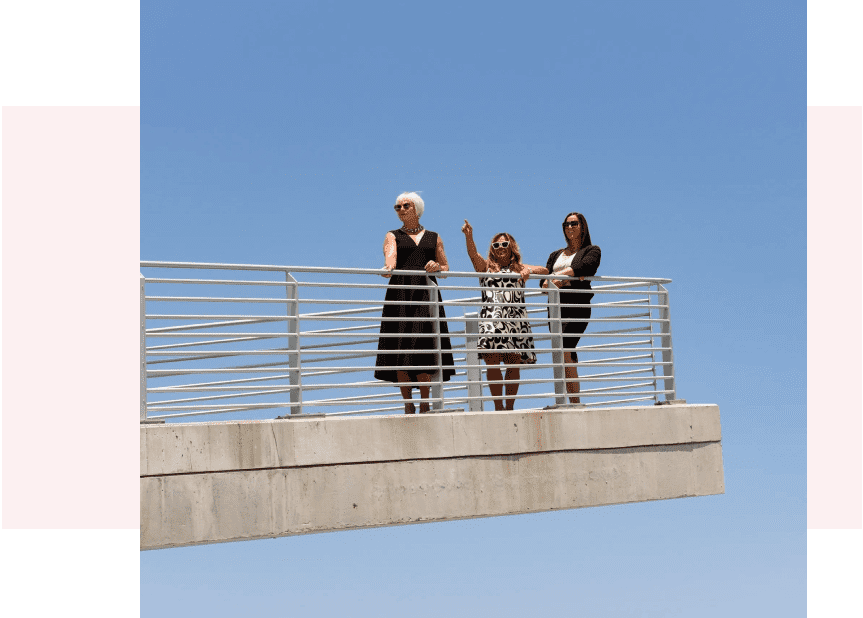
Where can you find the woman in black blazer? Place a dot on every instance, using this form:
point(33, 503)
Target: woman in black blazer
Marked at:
point(580, 258)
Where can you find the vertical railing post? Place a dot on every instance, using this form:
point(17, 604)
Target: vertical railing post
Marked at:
point(143, 354)
point(294, 361)
point(667, 354)
point(652, 351)
point(556, 330)
point(474, 373)
point(437, 385)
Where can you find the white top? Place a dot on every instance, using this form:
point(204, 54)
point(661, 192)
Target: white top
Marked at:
point(562, 262)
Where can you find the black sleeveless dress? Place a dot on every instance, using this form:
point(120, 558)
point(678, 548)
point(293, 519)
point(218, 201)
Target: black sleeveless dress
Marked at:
point(417, 341)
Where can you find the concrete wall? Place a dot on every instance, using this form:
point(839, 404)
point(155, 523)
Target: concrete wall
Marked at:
point(215, 482)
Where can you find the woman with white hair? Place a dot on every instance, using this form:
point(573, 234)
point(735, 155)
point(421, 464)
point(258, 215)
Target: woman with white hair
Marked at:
point(407, 348)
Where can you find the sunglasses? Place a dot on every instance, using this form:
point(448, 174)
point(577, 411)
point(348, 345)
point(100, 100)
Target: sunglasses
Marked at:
point(572, 224)
point(500, 245)
point(402, 206)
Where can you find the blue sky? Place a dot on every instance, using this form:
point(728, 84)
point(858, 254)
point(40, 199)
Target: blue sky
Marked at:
point(280, 133)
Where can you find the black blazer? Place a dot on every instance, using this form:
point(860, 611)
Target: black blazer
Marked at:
point(584, 263)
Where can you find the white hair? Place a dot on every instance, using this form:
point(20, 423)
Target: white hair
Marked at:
point(415, 199)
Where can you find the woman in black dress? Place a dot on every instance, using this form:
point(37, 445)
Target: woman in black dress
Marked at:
point(580, 258)
point(412, 247)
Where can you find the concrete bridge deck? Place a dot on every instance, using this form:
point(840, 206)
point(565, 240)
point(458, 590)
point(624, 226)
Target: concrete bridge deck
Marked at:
point(241, 480)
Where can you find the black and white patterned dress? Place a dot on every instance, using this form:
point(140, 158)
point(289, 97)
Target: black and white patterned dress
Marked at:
point(512, 335)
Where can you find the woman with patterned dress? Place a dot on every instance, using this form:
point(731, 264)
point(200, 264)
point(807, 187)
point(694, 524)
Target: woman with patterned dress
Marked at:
point(504, 332)
point(407, 348)
point(579, 258)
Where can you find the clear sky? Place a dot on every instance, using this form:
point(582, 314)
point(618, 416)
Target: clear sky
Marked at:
point(281, 132)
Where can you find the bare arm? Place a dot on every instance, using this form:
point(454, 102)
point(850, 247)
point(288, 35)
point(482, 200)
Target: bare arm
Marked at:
point(389, 252)
point(479, 264)
point(527, 270)
point(439, 264)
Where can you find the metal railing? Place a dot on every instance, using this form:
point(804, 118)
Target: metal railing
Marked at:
point(222, 339)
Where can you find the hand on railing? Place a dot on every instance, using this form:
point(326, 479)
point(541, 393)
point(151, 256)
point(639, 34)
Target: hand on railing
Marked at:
point(386, 275)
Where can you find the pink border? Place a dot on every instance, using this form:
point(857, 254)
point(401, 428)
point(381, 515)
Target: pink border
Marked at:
point(70, 311)
point(834, 310)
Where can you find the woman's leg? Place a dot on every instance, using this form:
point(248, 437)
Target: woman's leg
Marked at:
point(493, 373)
point(513, 374)
point(572, 387)
point(424, 392)
point(407, 391)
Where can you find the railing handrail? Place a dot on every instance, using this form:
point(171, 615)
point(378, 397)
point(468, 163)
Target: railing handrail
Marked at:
point(651, 305)
point(377, 271)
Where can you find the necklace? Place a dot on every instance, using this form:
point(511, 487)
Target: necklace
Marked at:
point(415, 230)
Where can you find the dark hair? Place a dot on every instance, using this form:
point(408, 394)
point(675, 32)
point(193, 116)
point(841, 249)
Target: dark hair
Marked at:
point(585, 231)
point(513, 247)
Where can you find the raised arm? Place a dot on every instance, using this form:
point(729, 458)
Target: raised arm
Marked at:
point(479, 264)
point(389, 253)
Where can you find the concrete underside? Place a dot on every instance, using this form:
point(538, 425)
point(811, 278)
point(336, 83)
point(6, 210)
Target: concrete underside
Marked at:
point(216, 482)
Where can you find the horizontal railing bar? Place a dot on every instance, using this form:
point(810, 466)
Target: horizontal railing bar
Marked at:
point(338, 343)
point(611, 388)
point(466, 398)
point(226, 406)
point(226, 354)
point(381, 384)
point(377, 307)
point(270, 390)
point(615, 345)
point(339, 330)
point(350, 353)
point(353, 412)
point(220, 382)
point(314, 334)
point(463, 319)
point(220, 354)
point(284, 389)
point(185, 327)
point(374, 398)
point(631, 301)
point(609, 360)
point(212, 299)
point(219, 281)
point(224, 334)
point(156, 373)
point(622, 332)
point(420, 286)
point(247, 319)
point(461, 401)
point(328, 372)
point(205, 412)
point(462, 398)
point(614, 286)
point(606, 403)
point(482, 366)
point(400, 406)
point(194, 343)
point(537, 335)
point(378, 304)
point(371, 271)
